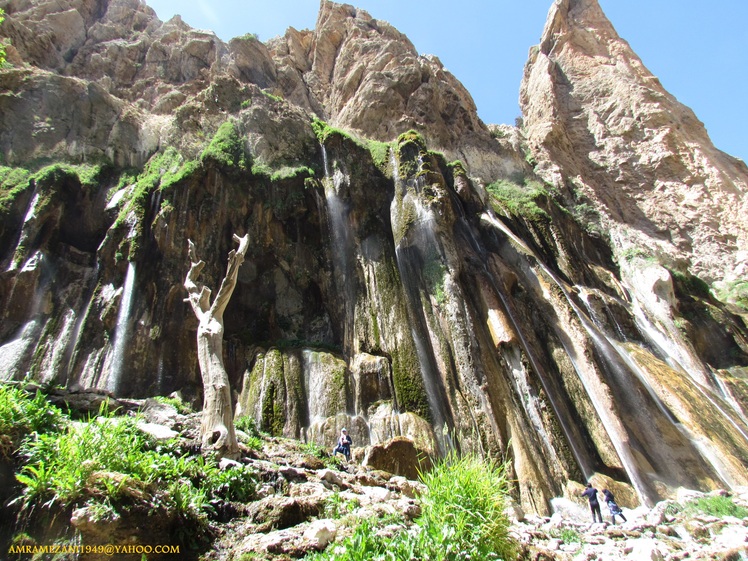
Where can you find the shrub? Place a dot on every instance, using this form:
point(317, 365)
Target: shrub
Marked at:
point(463, 510)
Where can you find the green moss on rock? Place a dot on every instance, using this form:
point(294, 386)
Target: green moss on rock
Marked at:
point(226, 148)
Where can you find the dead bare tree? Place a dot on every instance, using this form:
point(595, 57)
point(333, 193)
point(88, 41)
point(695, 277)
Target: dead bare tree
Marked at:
point(217, 427)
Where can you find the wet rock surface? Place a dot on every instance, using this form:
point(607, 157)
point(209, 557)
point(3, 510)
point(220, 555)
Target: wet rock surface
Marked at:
point(387, 289)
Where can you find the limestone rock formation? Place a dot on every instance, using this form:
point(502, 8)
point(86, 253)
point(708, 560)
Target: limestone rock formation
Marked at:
point(603, 129)
point(543, 299)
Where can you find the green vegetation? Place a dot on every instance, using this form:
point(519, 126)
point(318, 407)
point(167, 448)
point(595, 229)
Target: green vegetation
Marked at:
point(518, 199)
point(181, 407)
point(716, 505)
point(633, 253)
point(380, 155)
point(269, 95)
point(567, 535)
point(692, 284)
point(2, 42)
point(736, 292)
point(226, 148)
point(457, 168)
point(13, 182)
point(22, 415)
point(336, 506)
point(462, 518)
point(434, 274)
point(288, 172)
point(109, 465)
point(323, 131)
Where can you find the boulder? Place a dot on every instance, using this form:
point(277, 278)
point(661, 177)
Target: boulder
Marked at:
point(399, 456)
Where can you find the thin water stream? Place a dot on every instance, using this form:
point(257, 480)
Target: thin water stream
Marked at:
point(121, 332)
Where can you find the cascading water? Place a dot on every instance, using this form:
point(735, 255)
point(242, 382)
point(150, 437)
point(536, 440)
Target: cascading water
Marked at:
point(419, 238)
point(121, 331)
point(624, 377)
point(342, 243)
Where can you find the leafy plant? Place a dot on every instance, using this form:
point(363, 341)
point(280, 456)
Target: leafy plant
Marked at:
point(269, 95)
point(335, 506)
point(178, 404)
point(567, 535)
point(434, 274)
point(22, 415)
point(247, 424)
point(108, 460)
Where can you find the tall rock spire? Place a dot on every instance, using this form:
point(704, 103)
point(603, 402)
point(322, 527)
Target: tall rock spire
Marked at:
point(602, 126)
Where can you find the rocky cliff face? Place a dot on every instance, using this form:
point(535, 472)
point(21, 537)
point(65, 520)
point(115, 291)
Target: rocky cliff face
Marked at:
point(603, 128)
point(387, 288)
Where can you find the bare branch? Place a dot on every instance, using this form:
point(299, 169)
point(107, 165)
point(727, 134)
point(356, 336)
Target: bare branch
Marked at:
point(236, 258)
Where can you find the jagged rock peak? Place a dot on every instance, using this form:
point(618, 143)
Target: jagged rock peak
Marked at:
point(362, 74)
point(594, 113)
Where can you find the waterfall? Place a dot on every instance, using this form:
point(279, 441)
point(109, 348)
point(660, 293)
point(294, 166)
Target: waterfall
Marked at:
point(342, 243)
point(613, 427)
point(409, 266)
point(620, 369)
point(121, 331)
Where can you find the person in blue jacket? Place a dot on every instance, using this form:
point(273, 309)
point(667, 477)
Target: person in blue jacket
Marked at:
point(591, 493)
point(613, 507)
point(344, 445)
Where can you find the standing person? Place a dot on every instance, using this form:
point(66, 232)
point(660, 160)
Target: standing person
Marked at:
point(344, 445)
point(591, 493)
point(613, 507)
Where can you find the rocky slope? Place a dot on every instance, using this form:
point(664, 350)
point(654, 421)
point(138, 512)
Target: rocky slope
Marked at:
point(387, 288)
point(604, 130)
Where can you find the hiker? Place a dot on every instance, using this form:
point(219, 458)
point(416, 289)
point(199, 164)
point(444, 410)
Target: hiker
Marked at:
point(344, 445)
point(613, 507)
point(591, 493)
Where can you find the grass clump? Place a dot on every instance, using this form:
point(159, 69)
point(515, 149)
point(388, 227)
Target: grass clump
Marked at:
point(23, 415)
point(226, 148)
point(110, 466)
point(518, 199)
point(462, 518)
point(716, 505)
point(567, 535)
point(181, 407)
point(323, 131)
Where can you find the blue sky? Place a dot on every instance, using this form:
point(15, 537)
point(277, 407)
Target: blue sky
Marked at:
point(698, 49)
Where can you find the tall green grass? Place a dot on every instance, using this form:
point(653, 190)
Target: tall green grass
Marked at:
point(108, 463)
point(23, 414)
point(462, 518)
point(716, 506)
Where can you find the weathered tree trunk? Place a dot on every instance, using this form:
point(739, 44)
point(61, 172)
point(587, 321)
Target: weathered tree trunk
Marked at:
point(217, 427)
